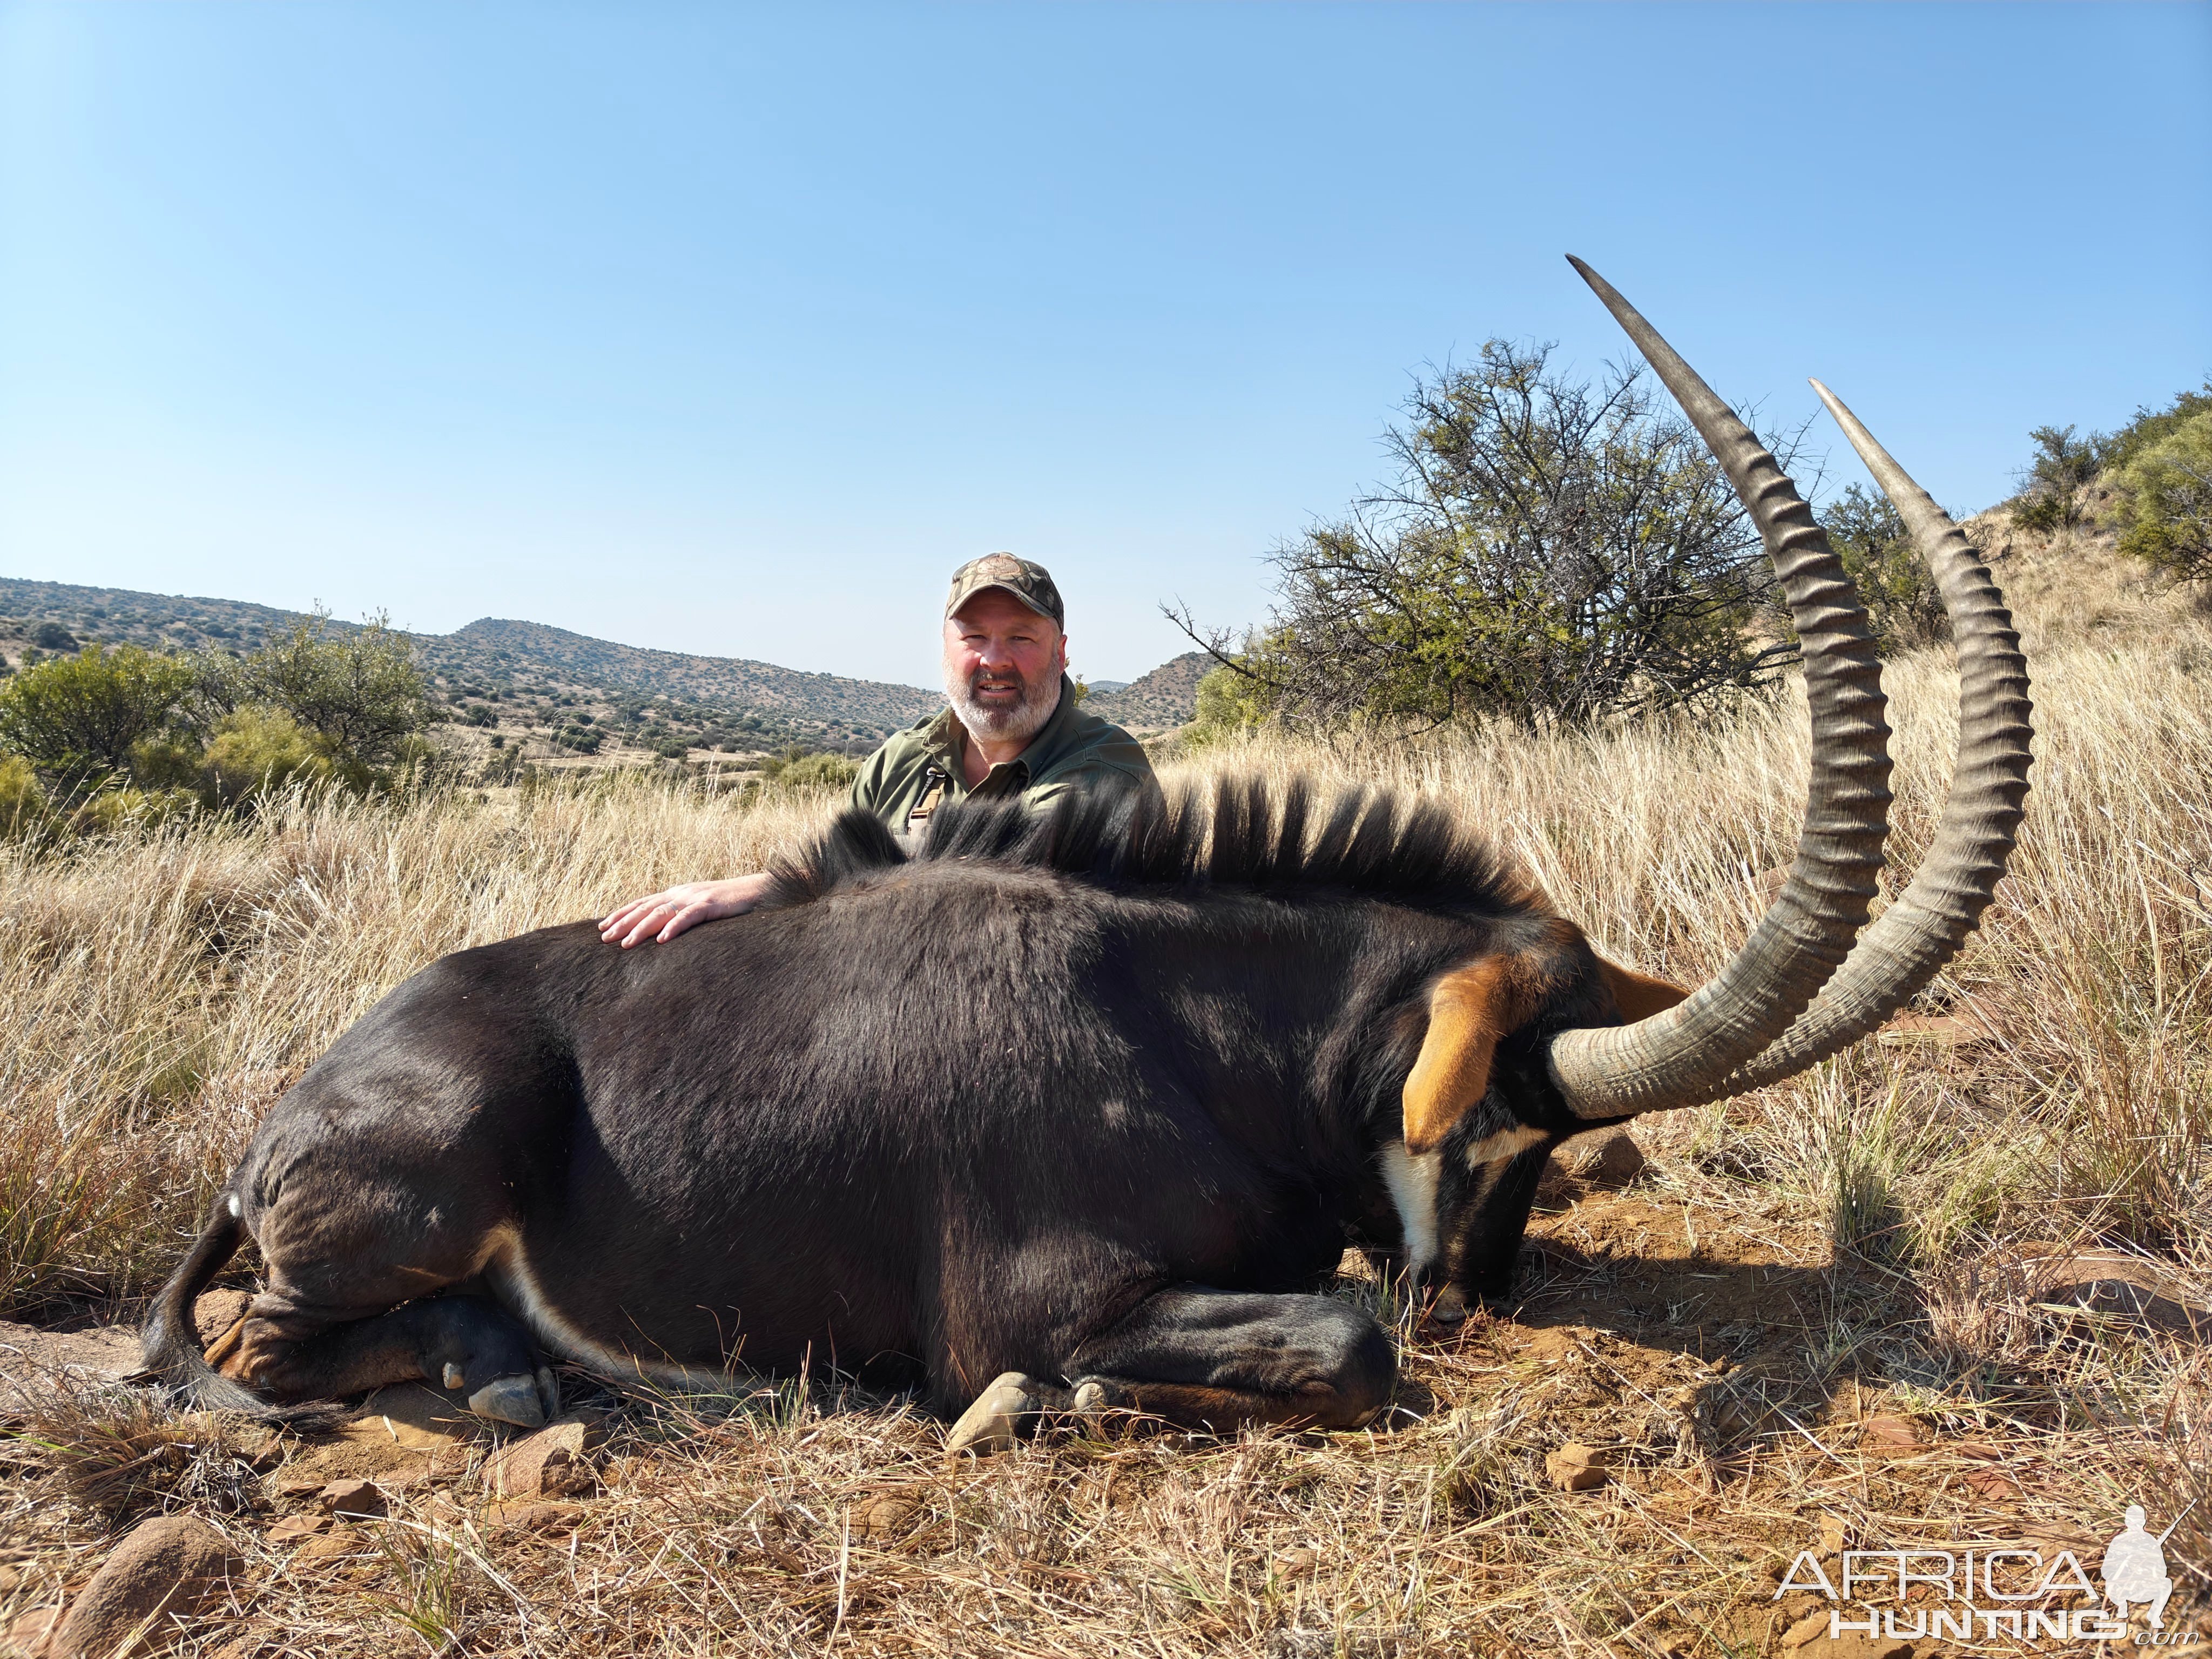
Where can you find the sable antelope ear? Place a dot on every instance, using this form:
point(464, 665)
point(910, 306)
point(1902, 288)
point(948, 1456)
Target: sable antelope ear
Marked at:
point(1640, 995)
point(1469, 1009)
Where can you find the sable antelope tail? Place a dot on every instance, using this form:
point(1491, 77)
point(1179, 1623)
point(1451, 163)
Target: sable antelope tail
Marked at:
point(170, 1341)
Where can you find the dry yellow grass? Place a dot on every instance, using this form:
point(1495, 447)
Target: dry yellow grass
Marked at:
point(1846, 1249)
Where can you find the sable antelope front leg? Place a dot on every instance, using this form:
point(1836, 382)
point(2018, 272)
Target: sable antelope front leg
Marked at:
point(1205, 1358)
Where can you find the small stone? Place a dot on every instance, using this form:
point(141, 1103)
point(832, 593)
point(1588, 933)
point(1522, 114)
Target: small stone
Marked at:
point(165, 1572)
point(1896, 1435)
point(1811, 1627)
point(551, 1463)
point(28, 1631)
point(1603, 1157)
point(261, 1448)
point(352, 1497)
point(330, 1545)
point(292, 1527)
point(1991, 1483)
point(534, 1515)
point(1611, 1160)
point(887, 1515)
point(216, 1312)
point(1578, 1468)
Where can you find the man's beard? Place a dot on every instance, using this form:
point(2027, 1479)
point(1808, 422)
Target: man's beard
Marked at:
point(1018, 723)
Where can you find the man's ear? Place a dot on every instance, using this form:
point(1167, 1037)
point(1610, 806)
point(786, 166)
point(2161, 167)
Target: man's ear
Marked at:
point(1470, 1009)
point(1639, 996)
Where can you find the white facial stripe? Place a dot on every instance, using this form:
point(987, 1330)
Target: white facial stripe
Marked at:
point(508, 1270)
point(1412, 1183)
point(1505, 1144)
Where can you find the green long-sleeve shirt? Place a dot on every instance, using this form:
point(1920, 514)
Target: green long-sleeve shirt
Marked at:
point(905, 781)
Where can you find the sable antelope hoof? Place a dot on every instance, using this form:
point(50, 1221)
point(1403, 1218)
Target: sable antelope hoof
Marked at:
point(997, 1419)
point(523, 1400)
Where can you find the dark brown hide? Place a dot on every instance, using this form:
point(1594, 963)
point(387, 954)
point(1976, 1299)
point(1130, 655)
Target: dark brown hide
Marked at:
point(1018, 1103)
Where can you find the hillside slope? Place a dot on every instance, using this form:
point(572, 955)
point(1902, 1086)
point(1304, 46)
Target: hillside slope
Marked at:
point(520, 676)
point(874, 705)
point(1166, 696)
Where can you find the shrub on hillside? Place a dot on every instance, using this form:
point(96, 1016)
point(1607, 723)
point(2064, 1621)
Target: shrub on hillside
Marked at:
point(2050, 499)
point(1233, 697)
point(79, 721)
point(255, 751)
point(113, 811)
point(1894, 582)
point(797, 771)
point(23, 811)
point(2166, 499)
point(2152, 426)
point(362, 692)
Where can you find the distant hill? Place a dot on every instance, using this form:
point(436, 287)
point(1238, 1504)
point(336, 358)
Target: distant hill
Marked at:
point(558, 690)
point(523, 676)
point(1166, 696)
point(872, 705)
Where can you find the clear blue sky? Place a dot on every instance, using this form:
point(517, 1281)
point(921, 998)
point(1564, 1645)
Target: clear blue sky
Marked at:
point(733, 330)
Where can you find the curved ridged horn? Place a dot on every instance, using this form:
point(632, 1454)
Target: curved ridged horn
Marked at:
point(1923, 930)
point(1686, 1056)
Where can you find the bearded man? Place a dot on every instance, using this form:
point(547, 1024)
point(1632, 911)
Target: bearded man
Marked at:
point(1011, 731)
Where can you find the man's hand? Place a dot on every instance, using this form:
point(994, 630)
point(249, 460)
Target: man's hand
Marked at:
point(681, 907)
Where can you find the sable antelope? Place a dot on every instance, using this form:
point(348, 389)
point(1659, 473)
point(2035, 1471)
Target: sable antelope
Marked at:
point(1086, 1103)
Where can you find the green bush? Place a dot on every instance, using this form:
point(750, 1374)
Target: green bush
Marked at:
point(1552, 551)
point(23, 810)
point(2165, 500)
point(1231, 699)
point(795, 771)
point(113, 811)
point(1894, 582)
point(256, 749)
point(78, 721)
point(2063, 465)
point(361, 692)
point(2153, 426)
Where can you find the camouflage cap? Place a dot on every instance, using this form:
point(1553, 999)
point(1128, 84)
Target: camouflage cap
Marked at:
point(1029, 583)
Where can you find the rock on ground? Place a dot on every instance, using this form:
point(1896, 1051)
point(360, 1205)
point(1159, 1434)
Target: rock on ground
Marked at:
point(554, 1462)
point(168, 1569)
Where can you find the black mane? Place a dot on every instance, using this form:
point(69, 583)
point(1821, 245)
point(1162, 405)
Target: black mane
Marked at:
point(1246, 834)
